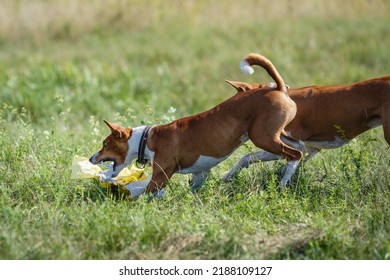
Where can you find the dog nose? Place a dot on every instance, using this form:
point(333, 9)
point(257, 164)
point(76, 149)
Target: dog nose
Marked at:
point(92, 159)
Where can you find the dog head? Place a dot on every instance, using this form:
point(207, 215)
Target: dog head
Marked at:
point(115, 148)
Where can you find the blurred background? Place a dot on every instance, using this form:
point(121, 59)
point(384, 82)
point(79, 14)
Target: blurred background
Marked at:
point(103, 57)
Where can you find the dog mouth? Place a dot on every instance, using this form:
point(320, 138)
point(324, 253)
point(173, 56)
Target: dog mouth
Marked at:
point(109, 159)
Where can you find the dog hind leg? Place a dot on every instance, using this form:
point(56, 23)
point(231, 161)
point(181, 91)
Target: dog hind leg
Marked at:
point(247, 160)
point(293, 155)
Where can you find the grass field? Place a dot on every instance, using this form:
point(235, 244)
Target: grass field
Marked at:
point(67, 65)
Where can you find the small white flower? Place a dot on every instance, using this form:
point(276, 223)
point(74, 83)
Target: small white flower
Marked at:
point(171, 110)
point(47, 134)
point(95, 131)
point(165, 118)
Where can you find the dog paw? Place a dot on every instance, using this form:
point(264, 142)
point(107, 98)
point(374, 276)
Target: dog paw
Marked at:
point(194, 187)
point(229, 177)
point(159, 195)
point(284, 184)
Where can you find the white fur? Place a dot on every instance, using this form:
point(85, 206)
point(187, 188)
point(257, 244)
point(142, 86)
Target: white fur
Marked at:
point(272, 84)
point(247, 160)
point(203, 163)
point(246, 68)
point(134, 142)
point(336, 143)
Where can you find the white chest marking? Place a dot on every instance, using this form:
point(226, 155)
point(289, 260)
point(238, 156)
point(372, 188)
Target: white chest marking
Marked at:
point(203, 163)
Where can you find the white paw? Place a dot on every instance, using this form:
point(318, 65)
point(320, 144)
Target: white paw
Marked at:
point(159, 195)
point(228, 177)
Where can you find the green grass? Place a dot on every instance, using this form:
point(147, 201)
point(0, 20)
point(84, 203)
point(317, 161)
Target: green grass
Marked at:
point(60, 80)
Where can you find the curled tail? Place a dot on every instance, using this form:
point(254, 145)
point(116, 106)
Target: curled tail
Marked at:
point(257, 59)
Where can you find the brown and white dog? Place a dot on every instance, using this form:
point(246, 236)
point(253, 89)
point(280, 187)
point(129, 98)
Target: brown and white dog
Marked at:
point(327, 116)
point(197, 143)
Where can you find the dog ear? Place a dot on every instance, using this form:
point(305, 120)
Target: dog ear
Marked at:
point(235, 85)
point(120, 133)
point(243, 86)
point(112, 126)
point(239, 86)
point(126, 133)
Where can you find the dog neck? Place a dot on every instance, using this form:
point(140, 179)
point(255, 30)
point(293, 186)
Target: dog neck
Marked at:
point(134, 143)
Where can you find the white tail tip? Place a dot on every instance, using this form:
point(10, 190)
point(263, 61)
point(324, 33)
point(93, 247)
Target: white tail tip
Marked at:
point(246, 68)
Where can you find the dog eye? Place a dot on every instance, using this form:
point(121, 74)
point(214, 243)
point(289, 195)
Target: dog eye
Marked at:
point(105, 144)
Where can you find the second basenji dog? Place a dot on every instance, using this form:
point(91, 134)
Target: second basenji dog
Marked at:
point(327, 116)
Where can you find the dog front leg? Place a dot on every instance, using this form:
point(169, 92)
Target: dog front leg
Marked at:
point(161, 174)
point(247, 160)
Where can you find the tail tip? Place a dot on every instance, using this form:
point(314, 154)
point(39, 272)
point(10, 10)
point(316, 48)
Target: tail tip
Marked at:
point(246, 68)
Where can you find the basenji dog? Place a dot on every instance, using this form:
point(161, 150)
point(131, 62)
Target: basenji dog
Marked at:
point(327, 116)
point(196, 143)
